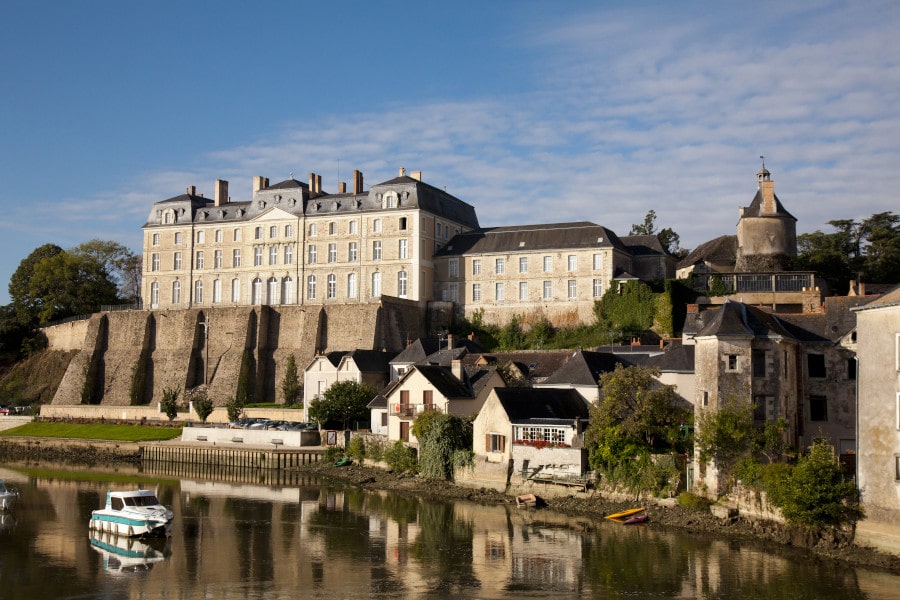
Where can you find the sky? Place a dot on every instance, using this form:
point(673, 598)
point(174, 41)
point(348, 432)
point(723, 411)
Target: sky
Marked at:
point(532, 112)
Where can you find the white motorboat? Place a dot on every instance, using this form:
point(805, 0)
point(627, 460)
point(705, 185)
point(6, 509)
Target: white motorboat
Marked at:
point(124, 554)
point(133, 513)
point(8, 496)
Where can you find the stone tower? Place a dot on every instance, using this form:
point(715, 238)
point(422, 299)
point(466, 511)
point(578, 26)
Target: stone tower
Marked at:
point(766, 232)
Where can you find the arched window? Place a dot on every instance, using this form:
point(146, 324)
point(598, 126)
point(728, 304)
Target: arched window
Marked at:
point(217, 291)
point(235, 291)
point(257, 291)
point(272, 292)
point(287, 290)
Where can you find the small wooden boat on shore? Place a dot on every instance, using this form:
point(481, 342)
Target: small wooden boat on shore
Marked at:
point(526, 501)
point(629, 517)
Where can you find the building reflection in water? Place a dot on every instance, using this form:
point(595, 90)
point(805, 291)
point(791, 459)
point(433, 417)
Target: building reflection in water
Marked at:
point(247, 536)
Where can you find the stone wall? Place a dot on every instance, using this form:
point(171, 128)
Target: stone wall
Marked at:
point(182, 349)
point(66, 336)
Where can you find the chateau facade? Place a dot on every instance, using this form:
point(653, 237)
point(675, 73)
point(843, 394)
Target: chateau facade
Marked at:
point(294, 244)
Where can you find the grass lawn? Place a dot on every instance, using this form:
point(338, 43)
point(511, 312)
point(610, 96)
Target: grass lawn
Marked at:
point(94, 431)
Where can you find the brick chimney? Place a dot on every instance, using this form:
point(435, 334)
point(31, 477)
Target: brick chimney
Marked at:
point(221, 196)
point(357, 182)
point(192, 190)
point(342, 187)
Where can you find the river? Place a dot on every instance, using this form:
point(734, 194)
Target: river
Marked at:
point(241, 536)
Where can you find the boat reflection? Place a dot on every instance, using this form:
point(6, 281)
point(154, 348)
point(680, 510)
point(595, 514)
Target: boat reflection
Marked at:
point(123, 555)
point(7, 522)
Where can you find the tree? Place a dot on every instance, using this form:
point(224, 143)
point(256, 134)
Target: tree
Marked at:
point(670, 240)
point(120, 263)
point(815, 493)
point(344, 401)
point(169, 404)
point(70, 285)
point(627, 312)
point(202, 403)
point(636, 417)
point(445, 442)
point(26, 304)
point(291, 390)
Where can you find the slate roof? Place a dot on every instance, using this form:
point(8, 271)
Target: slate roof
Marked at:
point(720, 251)
point(643, 245)
point(754, 209)
point(552, 236)
point(542, 405)
point(444, 381)
point(679, 358)
point(423, 348)
point(835, 321)
point(372, 361)
point(585, 368)
point(735, 319)
point(890, 298)
point(534, 364)
point(288, 184)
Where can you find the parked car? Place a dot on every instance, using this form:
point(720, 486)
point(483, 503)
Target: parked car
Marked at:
point(4, 410)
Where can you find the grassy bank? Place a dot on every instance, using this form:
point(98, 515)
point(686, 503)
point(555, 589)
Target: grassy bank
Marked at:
point(94, 431)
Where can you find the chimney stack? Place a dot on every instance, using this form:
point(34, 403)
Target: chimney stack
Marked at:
point(312, 183)
point(402, 172)
point(318, 184)
point(260, 183)
point(456, 367)
point(357, 182)
point(417, 175)
point(221, 196)
point(342, 187)
point(192, 190)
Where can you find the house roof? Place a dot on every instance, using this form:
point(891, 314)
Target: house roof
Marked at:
point(519, 238)
point(534, 364)
point(423, 348)
point(371, 361)
point(444, 381)
point(720, 251)
point(754, 210)
point(736, 319)
point(541, 405)
point(642, 245)
point(678, 358)
point(585, 368)
point(835, 320)
point(889, 298)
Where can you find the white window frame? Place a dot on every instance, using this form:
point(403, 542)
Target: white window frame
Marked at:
point(499, 292)
point(176, 292)
point(499, 266)
point(548, 289)
point(453, 267)
point(572, 262)
point(572, 287)
point(236, 258)
point(332, 252)
point(476, 292)
point(257, 256)
point(548, 264)
point(523, 290)
point(476, 266)
point(523, 264)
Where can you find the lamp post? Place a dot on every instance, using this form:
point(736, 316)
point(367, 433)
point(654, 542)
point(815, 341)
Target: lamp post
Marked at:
point(205, 325)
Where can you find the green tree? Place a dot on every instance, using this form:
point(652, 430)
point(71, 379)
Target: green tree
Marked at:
point(70, 285)
point(815, 493)
point(512, 336)
point(202, 403)
point(234, 409)
point(724, 435)
point(120, 263)
point(670, 240)
point(344, 401)
point(169, 404)
point(26, 304)
point(636, 417)
point(291, 390)
point(445, 443)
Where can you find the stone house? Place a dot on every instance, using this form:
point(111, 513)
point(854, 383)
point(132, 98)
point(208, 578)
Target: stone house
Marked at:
point(525, 433)
point(370, 367)
point(878, 466)
point(422, 388)
point(796, 367)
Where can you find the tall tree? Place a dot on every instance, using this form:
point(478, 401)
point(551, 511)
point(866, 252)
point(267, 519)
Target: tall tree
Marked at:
point(670, 240)
point(27, 305)
point(122, 265)
point(68, 285)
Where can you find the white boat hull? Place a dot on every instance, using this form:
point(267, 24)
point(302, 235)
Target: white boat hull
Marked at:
point(132, 514)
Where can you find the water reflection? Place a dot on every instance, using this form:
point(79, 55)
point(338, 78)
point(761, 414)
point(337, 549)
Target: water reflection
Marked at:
point(236, 537)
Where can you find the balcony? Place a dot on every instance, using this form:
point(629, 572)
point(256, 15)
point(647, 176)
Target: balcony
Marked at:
point(412, 410)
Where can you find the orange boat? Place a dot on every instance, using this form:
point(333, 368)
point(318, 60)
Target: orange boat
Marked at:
point(634, 515)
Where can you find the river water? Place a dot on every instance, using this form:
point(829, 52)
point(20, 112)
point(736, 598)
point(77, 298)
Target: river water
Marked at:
point(240, 535)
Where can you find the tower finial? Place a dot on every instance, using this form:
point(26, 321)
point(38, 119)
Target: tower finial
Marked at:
point(763, 174)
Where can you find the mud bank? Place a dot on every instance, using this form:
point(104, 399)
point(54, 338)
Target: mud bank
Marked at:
point(826, 546)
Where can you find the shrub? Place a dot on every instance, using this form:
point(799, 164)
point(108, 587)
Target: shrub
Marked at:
point(234, 408)
point(203, 405)
point(693, 501)
point(332, 453)
point(375, 450)
point(356, 448)
point(401, 458)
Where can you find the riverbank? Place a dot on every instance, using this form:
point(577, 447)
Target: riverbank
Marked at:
point(595, 507)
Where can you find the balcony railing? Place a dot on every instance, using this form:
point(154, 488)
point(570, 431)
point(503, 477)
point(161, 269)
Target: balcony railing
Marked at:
point(735, 283)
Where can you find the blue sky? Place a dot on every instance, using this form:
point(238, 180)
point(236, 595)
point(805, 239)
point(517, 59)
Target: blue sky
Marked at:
point(530, 111)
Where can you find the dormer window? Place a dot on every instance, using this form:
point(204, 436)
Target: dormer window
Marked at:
point(389, 200)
